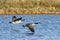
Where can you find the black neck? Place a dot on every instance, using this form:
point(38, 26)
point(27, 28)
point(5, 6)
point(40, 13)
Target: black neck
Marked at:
point(37, 23)
point(10, 22)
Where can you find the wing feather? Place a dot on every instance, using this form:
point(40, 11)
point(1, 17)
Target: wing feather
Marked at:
point(31, 28)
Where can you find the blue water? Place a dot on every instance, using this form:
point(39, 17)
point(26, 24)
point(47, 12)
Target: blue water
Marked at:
point(49, 29)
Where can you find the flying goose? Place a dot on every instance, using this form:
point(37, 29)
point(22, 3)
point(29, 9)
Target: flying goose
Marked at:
point(31, 26)
point(16, 20)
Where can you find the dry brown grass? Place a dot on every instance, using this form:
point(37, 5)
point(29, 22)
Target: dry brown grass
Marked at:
point(29, 6)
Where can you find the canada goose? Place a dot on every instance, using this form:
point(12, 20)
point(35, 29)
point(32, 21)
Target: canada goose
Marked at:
point(16, 20)
point(31, 26)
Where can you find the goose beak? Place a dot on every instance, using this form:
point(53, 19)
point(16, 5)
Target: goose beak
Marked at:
point(10, 22)
point(37, 23)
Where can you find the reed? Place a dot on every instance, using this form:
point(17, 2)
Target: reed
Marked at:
point(24, 6)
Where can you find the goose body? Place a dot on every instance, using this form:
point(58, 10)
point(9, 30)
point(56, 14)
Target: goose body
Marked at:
point(31, 26)
point(16, 20)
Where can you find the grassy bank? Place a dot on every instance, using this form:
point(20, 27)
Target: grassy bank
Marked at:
point(29, 6)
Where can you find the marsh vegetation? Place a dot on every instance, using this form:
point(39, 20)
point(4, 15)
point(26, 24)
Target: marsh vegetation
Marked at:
point(29, 6)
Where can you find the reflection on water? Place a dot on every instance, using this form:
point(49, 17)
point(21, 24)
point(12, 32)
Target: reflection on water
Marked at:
point(16, 31)
point(29, 34)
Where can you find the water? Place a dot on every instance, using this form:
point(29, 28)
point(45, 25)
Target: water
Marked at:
point(49, 29)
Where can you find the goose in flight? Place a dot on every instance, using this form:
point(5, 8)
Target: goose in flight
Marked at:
point(31, 26)
point(16, 20)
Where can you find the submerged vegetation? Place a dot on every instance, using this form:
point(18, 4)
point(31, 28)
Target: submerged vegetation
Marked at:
point(29, 6)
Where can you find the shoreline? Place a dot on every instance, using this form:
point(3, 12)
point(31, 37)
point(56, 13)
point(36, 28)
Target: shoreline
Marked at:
point(29, 11)
point(30, 7)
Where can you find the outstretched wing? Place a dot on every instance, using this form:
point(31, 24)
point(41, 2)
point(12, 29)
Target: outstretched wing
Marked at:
point(20, 18)
point(13, 18)
point(31, 28)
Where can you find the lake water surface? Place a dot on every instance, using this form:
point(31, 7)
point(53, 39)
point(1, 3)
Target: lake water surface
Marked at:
point(49, 29)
